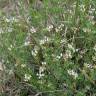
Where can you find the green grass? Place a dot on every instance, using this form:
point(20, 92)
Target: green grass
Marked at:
point(48, 48)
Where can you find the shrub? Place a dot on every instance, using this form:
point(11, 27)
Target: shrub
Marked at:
point(48, 48)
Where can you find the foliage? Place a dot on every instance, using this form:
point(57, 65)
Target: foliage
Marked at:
point(48, 48)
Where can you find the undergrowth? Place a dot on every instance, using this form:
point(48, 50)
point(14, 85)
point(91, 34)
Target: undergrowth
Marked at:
point(48, 48)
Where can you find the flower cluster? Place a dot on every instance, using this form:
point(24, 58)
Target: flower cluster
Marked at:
point(44, 40)
point(72, 73)
point(90, 66)
point(59, 28)
point(27, 77)
point(32, 30)
point(11, 19)
point(49, 27)
point(35, 50)
point(41, 70)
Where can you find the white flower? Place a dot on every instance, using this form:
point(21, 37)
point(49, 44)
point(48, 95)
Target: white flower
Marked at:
point(71, 47)
point(7, 20)
point(86, 30)
point(59, 56)
point(49, 27)
point(41, 69)
point(40, 75)
point(11, 19)
point(72, 73)
point(43, 63)
point(23, 65)
point(77, 50)
point(44, 40)
point(10, 47)
point(82, 7)
point(33, 30)
point(63, 41)
point(88, 65)
point(60, 26)
point(68, 53)
point(26, 43)
point(41, 72)
point(56, 29)
point(11, 72)
point(27, 77)
point(34, 52)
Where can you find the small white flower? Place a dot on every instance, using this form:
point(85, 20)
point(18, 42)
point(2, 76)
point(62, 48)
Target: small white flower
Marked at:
point(33, 30)
point(41, 72)
point(15, 20)
point(63, 41)
point(43, 63)
point(72, 73)
point(76, 50)
point(86, 30)
point(49, 27)
point(59, 56)
point(10, 47)
point(40, 75)
point(7, 20)
point(34, 52)
point(11, 72)
point(93, 9)
point(71, 47)
point(26, 43)
point(88, 65)
point(23, 65)
point(56, 29)
point(61, 25)
point(68, 53)
point(82, 7)
point(11, 19)
point(41, 69)
point(44, 40)
point(27, 77)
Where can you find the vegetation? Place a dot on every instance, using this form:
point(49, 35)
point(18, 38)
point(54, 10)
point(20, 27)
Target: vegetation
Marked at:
point(47, 47)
